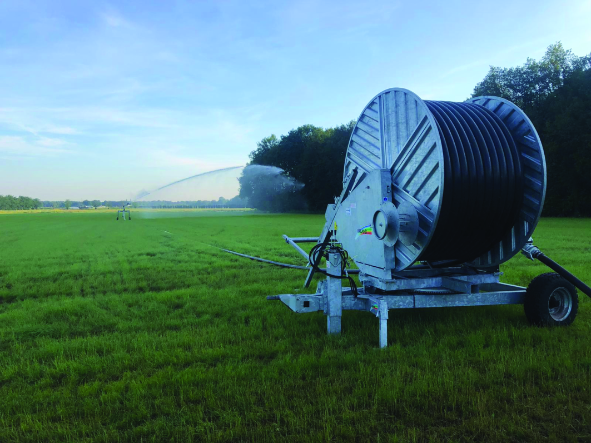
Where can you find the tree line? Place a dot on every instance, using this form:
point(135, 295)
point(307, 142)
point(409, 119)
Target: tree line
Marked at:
point(9, 203)
point(555, 93)
point(235, 202)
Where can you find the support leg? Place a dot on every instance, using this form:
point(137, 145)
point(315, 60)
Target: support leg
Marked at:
point(383, 318)
point(335, 294)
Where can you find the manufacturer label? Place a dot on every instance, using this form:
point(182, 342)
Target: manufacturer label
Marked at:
point(366, 230)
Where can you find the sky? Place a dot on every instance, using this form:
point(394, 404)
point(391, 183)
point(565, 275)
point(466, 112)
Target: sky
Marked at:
point(99, 100)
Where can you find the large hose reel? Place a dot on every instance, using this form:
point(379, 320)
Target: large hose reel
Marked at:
point(458, 187)
point(441, 182)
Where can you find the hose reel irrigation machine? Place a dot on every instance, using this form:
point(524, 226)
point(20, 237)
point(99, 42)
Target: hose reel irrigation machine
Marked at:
point(436, 195)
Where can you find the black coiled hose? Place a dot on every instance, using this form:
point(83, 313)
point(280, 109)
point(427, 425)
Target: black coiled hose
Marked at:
point(483, 182)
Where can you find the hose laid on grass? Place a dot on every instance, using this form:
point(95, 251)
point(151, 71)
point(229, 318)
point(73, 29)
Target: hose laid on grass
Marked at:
point(276, 263)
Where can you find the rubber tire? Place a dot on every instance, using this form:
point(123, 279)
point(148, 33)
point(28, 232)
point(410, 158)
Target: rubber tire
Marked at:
point(538, 295)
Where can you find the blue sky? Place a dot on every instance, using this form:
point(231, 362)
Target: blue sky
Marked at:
point(99, 100)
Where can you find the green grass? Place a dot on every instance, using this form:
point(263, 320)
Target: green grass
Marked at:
point(120, 331)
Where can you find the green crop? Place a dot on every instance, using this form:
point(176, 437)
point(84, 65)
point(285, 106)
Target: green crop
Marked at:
point(144, 330)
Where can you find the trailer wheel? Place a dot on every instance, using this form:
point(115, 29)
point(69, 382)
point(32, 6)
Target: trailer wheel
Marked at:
point(551, 300)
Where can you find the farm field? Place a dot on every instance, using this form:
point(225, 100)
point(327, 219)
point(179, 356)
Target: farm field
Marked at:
point(144, 331)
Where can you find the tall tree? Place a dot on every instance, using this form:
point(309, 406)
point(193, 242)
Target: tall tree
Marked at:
point(555, 93)
point(312, 155)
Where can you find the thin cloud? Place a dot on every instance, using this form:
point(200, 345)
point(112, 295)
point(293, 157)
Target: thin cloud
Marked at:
point(114, 19)
point(465, 67)
point(18, 146)
point(50, 142)
point(27, 120)
point(497, 56)
point(63, 130)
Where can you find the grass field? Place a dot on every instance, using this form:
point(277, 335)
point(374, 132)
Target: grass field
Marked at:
point(144, 331)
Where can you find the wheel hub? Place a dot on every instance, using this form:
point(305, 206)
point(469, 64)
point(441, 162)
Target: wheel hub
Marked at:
point(560, 304)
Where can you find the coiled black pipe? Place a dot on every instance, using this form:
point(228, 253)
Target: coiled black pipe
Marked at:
point(483, 182)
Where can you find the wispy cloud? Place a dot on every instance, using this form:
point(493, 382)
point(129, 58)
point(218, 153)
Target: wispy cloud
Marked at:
point(64, 130)
point(497, 56)
point(21, 147)
point(28, 120)
point(114, 19)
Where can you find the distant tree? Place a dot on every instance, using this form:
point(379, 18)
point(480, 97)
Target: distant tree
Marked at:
point(555, 93)
point(529, 85)
point(312, 155)
point(96, 203)
point(11, 203)
point(67, 204)
point(265, 148)
point(237, 202)
point(6, 202)
point(24, 202)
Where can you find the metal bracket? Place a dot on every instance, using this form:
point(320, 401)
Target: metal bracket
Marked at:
point(530, 250)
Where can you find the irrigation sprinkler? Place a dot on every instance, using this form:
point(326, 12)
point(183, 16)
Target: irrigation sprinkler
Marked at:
point(436, 195)
point(121, 212)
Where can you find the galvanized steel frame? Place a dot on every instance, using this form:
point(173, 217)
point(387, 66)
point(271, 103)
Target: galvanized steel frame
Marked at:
point(480, 289)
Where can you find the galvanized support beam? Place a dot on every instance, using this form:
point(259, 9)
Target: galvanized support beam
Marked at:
point(296, 247)
point(482, 299)
point(305, 239)
point(460, 283)
point(383, 316)
point(335, 294)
